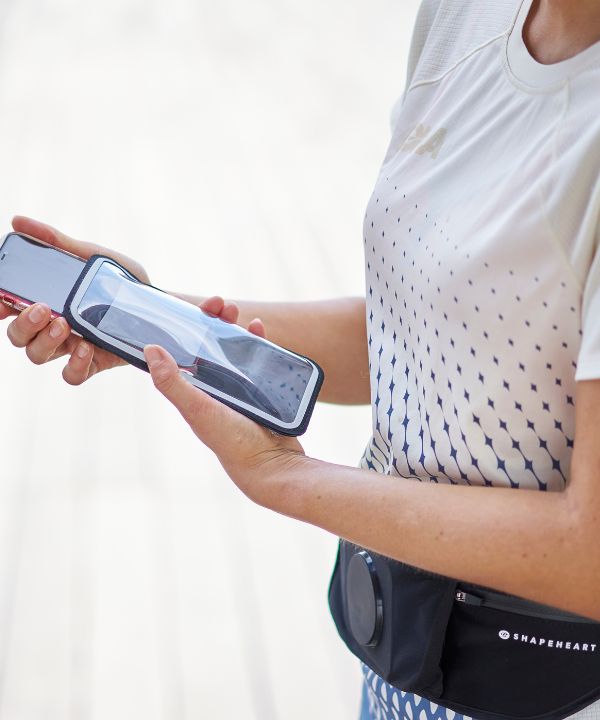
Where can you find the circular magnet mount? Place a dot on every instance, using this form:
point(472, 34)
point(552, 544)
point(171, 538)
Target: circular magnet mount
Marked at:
point(363, 598)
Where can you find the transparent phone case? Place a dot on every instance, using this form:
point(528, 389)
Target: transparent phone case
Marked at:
point(114, 310)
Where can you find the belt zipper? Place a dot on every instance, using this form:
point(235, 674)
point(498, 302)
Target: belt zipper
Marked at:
point(518, 606)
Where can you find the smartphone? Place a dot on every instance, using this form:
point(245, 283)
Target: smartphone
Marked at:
point(33, 272)
point(272, 385)
point(114, 310)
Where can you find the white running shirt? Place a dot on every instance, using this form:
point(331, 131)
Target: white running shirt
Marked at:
point(482, 277)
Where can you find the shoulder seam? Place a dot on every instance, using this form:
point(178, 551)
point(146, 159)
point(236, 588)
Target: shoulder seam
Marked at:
point(431, 81)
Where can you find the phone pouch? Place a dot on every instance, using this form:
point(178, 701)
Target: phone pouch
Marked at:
point(114, 310)
point(476, 651)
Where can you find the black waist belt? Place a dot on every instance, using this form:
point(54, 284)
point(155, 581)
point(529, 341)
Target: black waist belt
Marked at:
point(476, 651)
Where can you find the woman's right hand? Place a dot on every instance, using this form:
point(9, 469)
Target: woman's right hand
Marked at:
point(44, 338)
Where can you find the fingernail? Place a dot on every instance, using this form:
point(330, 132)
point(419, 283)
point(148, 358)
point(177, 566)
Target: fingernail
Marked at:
point(56, 329)
point(153, 356)
point(83, 350)
point(36, 314)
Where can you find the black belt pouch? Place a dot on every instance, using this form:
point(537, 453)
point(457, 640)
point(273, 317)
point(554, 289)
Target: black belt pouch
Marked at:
point(408, 627)
point(476, 651)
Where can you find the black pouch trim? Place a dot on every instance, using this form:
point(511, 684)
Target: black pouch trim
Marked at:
point(473, 650)
point(74, 322)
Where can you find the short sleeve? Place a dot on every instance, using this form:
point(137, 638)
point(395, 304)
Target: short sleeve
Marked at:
point(446, 31)
point(423, 24)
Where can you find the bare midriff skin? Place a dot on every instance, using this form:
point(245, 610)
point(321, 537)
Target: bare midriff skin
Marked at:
point(484, 543)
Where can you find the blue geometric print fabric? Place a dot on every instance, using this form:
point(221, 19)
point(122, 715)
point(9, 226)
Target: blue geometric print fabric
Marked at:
point(381, 701)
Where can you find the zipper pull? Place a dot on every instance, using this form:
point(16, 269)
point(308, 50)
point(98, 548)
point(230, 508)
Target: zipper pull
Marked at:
point(468, 598)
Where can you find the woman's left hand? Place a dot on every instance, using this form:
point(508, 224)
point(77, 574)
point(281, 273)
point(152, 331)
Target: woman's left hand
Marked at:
point(255, 458)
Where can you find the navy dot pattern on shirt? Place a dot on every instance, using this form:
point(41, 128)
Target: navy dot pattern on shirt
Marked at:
point(472, 377)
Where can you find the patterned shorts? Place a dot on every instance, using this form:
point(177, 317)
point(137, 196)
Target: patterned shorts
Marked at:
point(381, 701)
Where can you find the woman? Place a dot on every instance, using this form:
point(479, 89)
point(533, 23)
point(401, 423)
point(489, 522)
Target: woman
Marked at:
point(481, 352)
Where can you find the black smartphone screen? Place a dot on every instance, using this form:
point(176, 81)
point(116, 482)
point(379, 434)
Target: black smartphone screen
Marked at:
point(36, 272)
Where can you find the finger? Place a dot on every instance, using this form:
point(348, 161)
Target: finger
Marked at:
point(77, 370)
point(256, 327)
point(230, 312)
point(47, 342)
point(28, 324)
point(213, 305)
point(195, 406)
point(5, 311)
point(52, 236)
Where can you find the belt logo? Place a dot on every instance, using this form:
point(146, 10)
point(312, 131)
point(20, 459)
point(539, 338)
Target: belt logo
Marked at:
point(550, 643)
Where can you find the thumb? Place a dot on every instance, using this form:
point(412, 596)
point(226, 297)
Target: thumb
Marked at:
point(192, 403)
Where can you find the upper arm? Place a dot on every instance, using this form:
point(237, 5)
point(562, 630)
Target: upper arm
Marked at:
point(584, 482)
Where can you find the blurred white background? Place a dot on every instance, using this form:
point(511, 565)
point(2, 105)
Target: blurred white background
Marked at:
point(230, 146)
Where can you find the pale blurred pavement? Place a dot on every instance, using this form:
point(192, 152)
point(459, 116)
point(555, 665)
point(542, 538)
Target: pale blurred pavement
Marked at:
point(231, 146)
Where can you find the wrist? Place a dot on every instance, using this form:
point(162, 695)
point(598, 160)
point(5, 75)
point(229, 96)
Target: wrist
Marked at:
point(280, 483)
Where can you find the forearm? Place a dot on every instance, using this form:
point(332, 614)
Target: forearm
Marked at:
point(524, 542)
point(331, 332)
point(539, 545)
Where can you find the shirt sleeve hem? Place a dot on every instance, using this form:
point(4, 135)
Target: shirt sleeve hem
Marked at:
point(588, 370)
